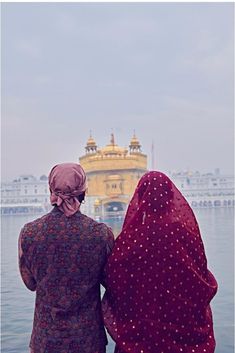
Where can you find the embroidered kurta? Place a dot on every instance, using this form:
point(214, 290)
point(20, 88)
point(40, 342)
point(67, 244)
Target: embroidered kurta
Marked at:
point(62, 259)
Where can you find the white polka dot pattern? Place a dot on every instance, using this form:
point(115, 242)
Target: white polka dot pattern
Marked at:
point(158, 284)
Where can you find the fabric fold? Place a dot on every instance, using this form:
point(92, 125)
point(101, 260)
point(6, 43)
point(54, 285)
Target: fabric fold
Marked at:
point(67, 181)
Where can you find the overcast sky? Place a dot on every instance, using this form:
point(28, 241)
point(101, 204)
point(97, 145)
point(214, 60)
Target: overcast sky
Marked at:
point(164, 70)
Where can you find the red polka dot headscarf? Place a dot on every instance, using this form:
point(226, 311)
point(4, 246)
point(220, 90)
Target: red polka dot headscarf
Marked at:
point(158, 285)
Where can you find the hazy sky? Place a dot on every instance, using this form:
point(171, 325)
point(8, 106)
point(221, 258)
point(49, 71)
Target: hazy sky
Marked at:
point(163, 69)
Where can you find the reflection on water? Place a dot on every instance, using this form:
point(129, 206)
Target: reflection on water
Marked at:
point(18, 302)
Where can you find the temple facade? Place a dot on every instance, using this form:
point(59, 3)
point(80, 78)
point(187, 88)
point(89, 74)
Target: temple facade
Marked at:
point(113, 173)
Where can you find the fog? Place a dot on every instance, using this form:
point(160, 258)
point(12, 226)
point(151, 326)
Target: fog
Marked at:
point(164, 70)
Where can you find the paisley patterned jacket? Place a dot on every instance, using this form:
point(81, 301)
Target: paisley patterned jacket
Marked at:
point(62, 259)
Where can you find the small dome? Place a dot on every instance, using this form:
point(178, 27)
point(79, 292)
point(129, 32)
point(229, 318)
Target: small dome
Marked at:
point(91, 146)
point(97, 202)
point(134, 141)
point(91, 142)
point(135, 146)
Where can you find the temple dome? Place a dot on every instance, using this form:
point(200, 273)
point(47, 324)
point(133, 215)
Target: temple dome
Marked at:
point(134, 145)
point(91, 142)
point(97, 202)
point(91, 146)
point(134, 141)
point(112, 148)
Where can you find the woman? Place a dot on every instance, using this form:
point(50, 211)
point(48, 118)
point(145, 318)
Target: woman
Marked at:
point(61, 257)
point(158, 285)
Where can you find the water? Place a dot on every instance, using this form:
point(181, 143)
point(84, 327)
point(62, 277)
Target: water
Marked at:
point(18, 302)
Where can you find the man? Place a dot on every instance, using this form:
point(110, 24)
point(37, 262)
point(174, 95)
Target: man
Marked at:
point(61, 257)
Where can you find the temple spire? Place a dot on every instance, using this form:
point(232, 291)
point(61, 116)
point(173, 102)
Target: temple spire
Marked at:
point(112, 139)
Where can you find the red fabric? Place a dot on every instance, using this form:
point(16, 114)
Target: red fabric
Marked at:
point(158, 284)
point(67, 181)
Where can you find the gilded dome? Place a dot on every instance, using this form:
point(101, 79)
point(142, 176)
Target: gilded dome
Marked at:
point(91, 146)
point(97, 202)
point(134, 141)
point(112, 148)
point(91, 142)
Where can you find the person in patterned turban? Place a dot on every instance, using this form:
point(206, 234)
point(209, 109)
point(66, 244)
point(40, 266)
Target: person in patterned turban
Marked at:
point(61, 257)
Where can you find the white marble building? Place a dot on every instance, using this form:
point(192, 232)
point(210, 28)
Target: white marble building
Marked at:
point(27, 194)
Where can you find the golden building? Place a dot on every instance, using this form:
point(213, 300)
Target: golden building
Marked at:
point(113, 173)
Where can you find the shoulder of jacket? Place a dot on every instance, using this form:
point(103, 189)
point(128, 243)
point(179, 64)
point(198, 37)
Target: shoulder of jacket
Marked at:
point(105, 231)
point(99, 227)
point(30, 226)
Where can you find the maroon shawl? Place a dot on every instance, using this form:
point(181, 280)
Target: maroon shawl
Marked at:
point(158, 285)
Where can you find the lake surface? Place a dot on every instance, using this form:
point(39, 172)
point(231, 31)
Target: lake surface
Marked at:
point(217, 226)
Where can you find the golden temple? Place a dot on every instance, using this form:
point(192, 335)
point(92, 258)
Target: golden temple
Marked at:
point(113, 173)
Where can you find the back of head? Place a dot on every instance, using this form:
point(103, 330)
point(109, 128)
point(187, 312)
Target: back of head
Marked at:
point(155, 189)
point(67, 182)
point(157, 199)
